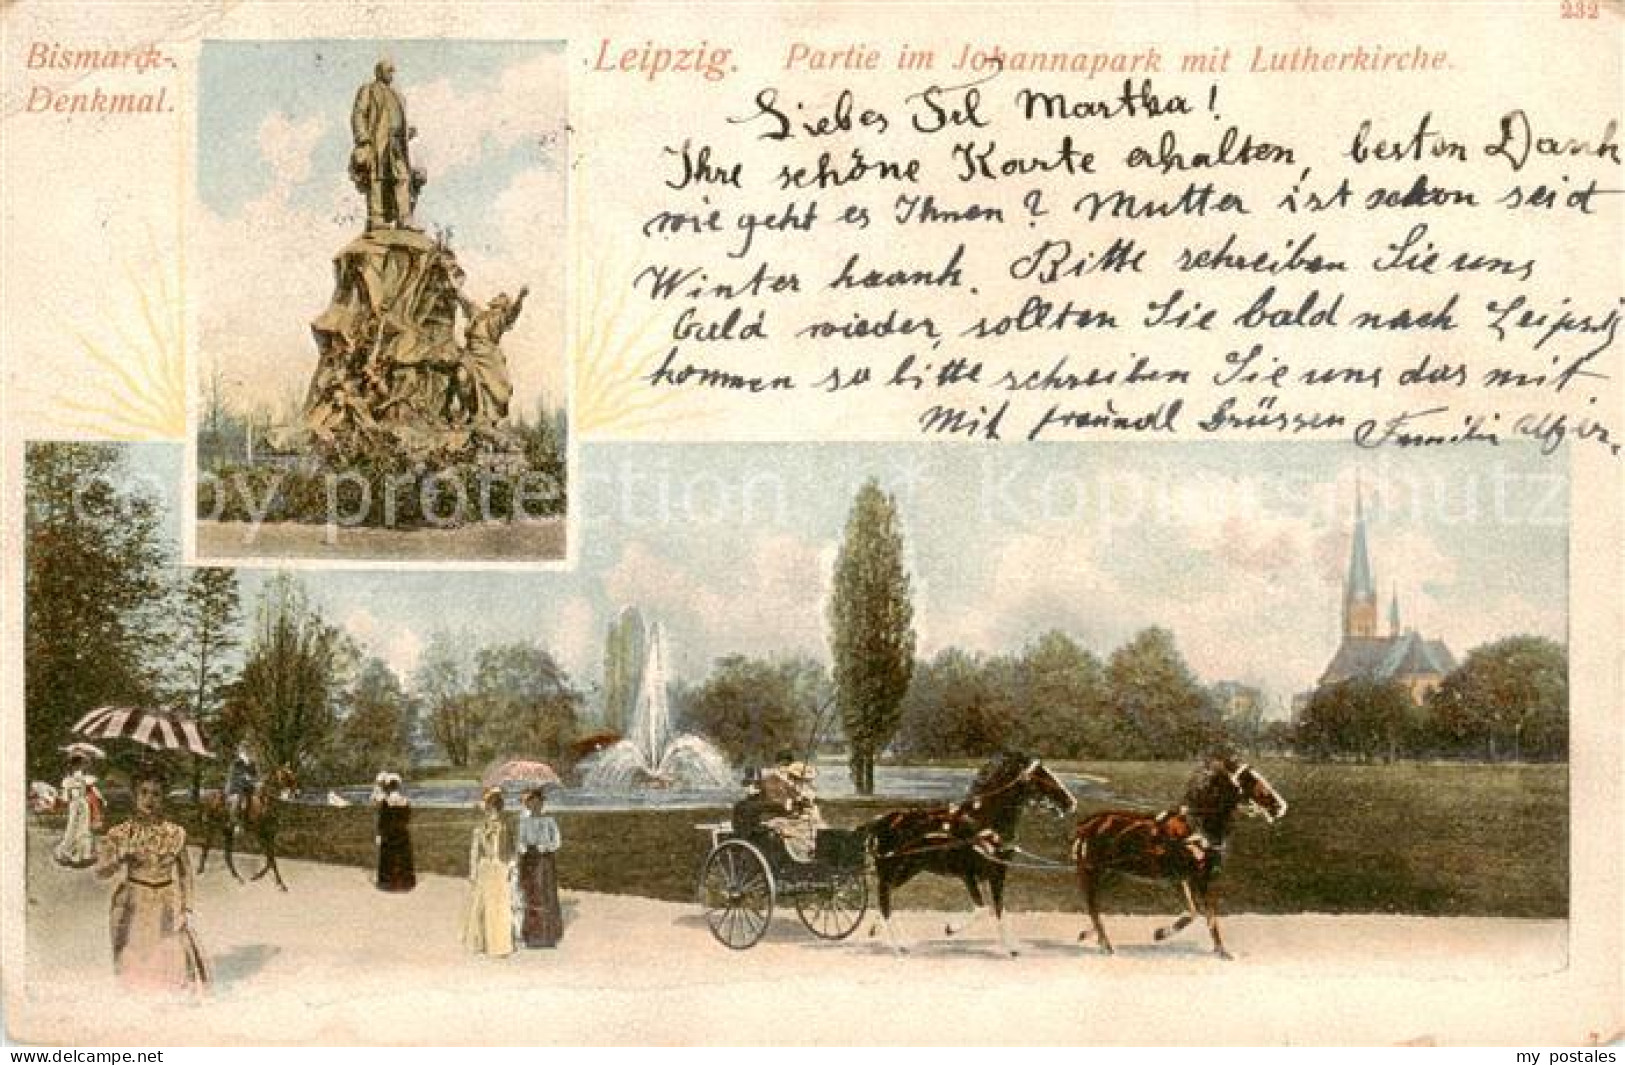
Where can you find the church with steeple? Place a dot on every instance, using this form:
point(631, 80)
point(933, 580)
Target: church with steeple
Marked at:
point(1402, 655)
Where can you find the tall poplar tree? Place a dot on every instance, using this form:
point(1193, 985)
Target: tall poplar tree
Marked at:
point(871, 630)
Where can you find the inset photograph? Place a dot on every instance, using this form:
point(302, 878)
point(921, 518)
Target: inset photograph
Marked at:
point(380, 371)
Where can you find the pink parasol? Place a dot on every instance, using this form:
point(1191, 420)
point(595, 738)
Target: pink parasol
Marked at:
point(519, 771)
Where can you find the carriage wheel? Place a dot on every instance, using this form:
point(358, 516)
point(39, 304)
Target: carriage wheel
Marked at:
point(736, 890)
point(836, 911)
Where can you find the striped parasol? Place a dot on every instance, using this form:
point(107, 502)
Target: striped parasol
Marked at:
point(161, 730)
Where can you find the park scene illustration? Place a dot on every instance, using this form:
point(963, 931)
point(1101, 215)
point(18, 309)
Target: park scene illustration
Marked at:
point(1069, 714)
point(383, 344)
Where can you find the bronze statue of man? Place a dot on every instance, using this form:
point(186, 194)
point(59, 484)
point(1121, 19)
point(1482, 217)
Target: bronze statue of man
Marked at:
point(381, 162)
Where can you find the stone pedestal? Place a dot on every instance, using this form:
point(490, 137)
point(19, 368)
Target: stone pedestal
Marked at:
point(391, 379)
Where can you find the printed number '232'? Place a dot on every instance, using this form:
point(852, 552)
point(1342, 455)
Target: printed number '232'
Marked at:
point(1579, 8)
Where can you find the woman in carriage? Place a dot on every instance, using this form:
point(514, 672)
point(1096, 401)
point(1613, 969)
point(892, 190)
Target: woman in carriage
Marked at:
point(783, 800)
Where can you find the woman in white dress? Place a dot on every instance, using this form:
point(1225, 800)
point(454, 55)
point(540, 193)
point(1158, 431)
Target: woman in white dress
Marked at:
point(488, 928)
point(77, 848)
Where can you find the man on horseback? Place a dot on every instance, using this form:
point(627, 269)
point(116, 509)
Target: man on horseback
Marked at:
point(242, 781)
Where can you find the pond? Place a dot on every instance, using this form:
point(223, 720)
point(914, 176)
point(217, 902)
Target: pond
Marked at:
point(907, 783)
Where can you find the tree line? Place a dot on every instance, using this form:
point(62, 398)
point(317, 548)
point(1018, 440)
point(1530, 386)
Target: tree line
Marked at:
point(1509, 700)
point(112, 619)
point(1053, 697)
point(1058, 699)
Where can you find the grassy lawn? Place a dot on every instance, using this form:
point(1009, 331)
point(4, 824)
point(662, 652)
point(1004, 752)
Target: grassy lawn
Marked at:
point(1418, 839)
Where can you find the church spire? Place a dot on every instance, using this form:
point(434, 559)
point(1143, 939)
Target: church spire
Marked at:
point(1359, 590)
point(1393, 615)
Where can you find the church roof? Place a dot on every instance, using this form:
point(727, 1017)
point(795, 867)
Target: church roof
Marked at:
point(1407, 654)
point(1357, 658)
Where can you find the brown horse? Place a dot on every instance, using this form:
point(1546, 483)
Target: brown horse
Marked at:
point(1184, 846)
point(968, 840)
point(259, 815)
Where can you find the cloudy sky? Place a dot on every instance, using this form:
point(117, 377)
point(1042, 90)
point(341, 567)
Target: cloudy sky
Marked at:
point(277, 204)
point(1239, 549)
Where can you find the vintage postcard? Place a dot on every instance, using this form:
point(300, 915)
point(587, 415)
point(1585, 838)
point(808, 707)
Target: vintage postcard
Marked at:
point(772, 525)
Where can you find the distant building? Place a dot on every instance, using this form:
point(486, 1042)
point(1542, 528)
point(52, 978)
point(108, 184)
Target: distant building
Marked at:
point(1404, 655)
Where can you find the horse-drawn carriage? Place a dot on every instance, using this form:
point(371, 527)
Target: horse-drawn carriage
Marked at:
point(749, 866)
point(749, 869)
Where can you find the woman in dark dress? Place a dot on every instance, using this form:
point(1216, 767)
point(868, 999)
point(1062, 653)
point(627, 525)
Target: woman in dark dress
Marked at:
point(395, 868)
point(540, 923)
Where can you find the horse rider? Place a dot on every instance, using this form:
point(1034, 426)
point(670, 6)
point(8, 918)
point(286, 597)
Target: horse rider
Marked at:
point(242, 780)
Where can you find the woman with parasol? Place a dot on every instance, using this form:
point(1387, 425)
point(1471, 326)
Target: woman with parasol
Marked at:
point(540, 922)
point(154, 947)
point(77, 849)
point(488, 926)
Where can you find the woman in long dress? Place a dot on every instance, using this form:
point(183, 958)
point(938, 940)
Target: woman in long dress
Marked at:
point(489, 925)
point(77, 847)
point(154, 948)
point(540, 924)
point(396, 870)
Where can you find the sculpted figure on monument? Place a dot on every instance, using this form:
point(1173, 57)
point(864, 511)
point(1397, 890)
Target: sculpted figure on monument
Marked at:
point(486, 388)
point(381, 161)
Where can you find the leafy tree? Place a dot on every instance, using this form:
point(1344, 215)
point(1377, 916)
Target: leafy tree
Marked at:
point(1062, 700)
point(958, 705)
point(545, 442)
point(1241, 707)
point(208, 612)
point(96, 584)
point(1362, 717)
point(871, 621)
point(442, 683)
point(1508, 699)
point(376, 732)
point(294, 675)
point(1162, 711)
point(524, 704)
point(753, 708)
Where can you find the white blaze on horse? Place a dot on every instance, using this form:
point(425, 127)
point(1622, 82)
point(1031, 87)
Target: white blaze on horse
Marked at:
point(1184, 846)
point(969, 840)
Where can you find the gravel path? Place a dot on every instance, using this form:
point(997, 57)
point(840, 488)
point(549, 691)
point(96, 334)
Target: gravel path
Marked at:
point(334, 961)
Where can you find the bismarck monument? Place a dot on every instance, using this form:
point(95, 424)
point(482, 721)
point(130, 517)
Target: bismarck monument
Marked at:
point(398, 381)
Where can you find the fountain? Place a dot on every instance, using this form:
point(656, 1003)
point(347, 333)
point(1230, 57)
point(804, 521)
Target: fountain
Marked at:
point(650, 756)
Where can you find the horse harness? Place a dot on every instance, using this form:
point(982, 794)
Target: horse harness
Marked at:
point(984, 839)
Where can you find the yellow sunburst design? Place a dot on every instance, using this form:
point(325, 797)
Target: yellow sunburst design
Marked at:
point(143, 393)
point(610, 357)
